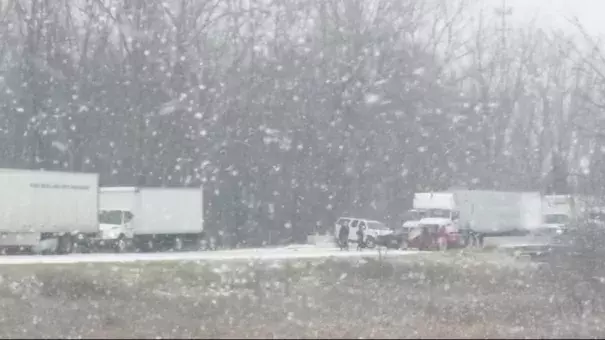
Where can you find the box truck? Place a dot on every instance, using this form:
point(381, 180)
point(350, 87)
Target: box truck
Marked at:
point(151, 218)
point(480, 213)
point(567, 209)
point(47, 211)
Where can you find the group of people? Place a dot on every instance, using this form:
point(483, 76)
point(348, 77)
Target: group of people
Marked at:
point(343, 237)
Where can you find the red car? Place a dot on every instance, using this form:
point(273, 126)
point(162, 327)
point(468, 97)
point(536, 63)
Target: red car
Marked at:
point(434, 233)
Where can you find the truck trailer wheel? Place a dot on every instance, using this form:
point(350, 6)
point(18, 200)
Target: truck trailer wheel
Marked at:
point(121, 245)
point(370, 242)
point(442, 243)
point(403, 245)
point(149, 246)
point(469, 240)
point(65, 244)
point(143, 245)
point(177, 243)
point(202, 243)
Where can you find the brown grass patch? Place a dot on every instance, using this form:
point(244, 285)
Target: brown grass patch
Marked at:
point(436, 297)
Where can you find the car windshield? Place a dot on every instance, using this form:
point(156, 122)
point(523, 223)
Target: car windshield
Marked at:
point(110, 217)
point(428, 226)
point(556, 218)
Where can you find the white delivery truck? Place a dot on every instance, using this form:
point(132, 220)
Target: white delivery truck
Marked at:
point(563, 209)
point(47, 211)
point(151, 218)
point(558, 210)
point(481, 213)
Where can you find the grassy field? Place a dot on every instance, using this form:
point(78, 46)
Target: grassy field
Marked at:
point(441, 295)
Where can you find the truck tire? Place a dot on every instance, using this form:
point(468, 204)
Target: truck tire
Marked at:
point(465, 240)
point(201, 243)
point(370, 242)
point(476, 241)
point(149, 246)
point(121, 245)
point(468, 239)
point(403, 245)
point(177, 244)
point(442, 243)
point(480, 239)
point(84, 249)
point(65, 244)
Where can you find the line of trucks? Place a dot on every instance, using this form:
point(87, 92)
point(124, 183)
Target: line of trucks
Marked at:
point(462, 218)
point(62, 212)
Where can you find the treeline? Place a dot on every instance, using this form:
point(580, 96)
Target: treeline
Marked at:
point(291, 113)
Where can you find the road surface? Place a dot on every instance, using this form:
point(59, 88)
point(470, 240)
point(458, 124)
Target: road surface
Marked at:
point(291, 252)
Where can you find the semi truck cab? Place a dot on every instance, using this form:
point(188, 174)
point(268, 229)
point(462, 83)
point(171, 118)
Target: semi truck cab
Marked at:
point(431, 205)
point(412, 217)
point(483, 213)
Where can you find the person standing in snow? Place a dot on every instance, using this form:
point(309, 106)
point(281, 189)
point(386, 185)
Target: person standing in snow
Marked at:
point(360, 243)
point(343, 236)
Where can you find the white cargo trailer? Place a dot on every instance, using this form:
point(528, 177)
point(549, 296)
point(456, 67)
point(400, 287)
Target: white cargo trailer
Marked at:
point(151, 218)
point(47, 210)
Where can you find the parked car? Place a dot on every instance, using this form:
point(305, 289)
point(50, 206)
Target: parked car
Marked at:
point(373, 229)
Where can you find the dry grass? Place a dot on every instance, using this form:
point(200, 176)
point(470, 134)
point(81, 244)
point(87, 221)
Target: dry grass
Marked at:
point(456, 296)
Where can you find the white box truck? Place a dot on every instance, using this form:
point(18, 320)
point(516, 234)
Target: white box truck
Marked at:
point(565, 209)
point(47, 211)
point(480, 213)
point(151, 218)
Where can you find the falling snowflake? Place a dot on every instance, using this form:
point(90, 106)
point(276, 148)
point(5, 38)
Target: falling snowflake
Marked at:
point(372, 98)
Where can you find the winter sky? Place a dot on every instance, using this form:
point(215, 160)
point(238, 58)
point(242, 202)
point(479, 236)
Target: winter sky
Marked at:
point(553, 13)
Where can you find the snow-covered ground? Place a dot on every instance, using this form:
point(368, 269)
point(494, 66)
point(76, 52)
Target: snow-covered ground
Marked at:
point(290, 252)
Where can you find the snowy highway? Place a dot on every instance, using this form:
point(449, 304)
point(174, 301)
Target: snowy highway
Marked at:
point(291, 252)
point(282, 253)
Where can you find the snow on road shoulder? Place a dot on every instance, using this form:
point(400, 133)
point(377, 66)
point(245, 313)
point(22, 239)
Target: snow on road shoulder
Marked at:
point(221, 255)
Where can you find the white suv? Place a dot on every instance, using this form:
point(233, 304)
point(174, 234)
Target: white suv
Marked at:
point(372, 229)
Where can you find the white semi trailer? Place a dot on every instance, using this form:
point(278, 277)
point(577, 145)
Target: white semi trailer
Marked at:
point(481, 213)
point(47, 211)
point(151, 218)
